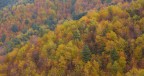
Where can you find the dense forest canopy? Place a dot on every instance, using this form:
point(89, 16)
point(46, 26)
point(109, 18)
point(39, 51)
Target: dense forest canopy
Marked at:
point(20, 18)
point(72, 38)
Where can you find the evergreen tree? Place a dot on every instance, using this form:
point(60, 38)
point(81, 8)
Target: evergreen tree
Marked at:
point(26, 22)
point(76, 35)
point(86, 53)
point(114, 55)
point(14, 28)
point(3, 38)
point(51, 22)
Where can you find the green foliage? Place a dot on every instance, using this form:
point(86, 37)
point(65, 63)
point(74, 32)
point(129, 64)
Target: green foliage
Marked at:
point(73, 7)
point(76, 35)
point(24, 38)
point(16, 41)
point(14, 28)
point(78, 16)
point(28, 1)
point(73, 2)
point(108, 1)
point(4, 3)
point(9, 46)
point(115, 67)
point(86, 53)
point(136, 17)
point(3, 38)
point(35, 26)
point(114, 55)
point(51, 22)
point(102, 1)
point(26, 22)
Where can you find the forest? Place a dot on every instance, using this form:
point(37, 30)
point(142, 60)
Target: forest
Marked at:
point(72, 38)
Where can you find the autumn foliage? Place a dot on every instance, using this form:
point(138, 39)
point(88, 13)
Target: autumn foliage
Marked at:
point(98, 42)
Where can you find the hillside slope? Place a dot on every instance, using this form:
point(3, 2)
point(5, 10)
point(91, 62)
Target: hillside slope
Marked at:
point(32, 17)
point(108, 42)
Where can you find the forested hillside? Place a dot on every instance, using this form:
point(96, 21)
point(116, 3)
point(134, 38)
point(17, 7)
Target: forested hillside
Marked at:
point(20, 21)
point(72, 38)
point(4, 3)
point(10, 3)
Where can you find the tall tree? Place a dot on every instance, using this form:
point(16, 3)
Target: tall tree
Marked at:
point(114, 55)
point(3, 38)
point(86, 53)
